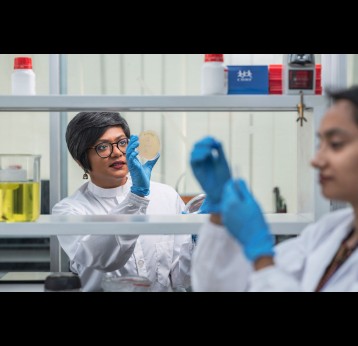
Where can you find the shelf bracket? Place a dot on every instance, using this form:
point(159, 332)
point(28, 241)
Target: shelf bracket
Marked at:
point(301, 110)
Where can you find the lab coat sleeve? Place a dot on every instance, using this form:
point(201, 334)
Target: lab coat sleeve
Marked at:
point(273, 279)
point(353, 288)
point(180, 273)
point(131, 205)
point(219, 264)
point(290, 260)
point(181, 267)
point(105, 252)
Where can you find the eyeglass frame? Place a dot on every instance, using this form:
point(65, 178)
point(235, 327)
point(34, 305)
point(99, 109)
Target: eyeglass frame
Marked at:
point(111, 144)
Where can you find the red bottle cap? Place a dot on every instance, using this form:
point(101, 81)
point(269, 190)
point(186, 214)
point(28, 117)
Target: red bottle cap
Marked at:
point(214, 57)
point(22, 63)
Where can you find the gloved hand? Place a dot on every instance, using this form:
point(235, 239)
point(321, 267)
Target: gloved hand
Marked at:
point(211, 169)
point(243, 218)
point(140, 173)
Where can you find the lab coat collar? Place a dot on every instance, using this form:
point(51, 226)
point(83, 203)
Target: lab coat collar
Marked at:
point(110, 193)
point(323, 255)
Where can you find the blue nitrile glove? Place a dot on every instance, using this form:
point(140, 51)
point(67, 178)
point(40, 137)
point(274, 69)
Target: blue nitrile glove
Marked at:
point(140, 173)
point(211, 170)
point(243, 217)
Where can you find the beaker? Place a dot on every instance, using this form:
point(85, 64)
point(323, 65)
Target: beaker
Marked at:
point(19, 187)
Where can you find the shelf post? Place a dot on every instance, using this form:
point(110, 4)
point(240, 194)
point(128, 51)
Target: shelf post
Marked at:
point(58, 159)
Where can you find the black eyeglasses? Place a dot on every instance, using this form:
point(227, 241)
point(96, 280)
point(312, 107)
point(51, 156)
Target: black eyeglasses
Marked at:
point(105, 150)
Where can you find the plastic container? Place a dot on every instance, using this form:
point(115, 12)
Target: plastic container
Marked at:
point(20, 187)
point(214, 75)
point(23, 79)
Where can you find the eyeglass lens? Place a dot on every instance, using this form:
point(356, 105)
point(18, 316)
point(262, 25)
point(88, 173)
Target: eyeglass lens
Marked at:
point(105, 150)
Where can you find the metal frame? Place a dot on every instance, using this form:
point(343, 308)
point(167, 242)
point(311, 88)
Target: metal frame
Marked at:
point(58, 161)
point(227, 103)
point(56, 104)
point(50, 225)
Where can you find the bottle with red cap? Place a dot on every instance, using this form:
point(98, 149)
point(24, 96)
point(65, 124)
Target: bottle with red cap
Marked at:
point(23, 79)
point(214, 75)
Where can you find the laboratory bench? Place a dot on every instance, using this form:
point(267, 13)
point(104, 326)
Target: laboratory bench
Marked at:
point(22, 281)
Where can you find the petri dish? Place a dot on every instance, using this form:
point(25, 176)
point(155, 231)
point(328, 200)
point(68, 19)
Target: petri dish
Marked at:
point(193, 206)
point(149, 145)
point(131, 283)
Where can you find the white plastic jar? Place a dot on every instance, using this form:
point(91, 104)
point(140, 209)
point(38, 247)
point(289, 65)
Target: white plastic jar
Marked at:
point(214, 75)
point(23, 79)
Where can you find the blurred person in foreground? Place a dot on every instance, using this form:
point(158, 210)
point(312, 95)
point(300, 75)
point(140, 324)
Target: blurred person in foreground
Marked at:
point(236, 250)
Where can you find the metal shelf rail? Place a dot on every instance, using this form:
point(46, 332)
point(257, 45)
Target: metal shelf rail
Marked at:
point(224, 103)
point(52, 225)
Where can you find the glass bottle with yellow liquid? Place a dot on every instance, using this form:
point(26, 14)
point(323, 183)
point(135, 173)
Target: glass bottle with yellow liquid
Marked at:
point(19, 187)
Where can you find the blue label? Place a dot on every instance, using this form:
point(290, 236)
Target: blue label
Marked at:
point(248, 79)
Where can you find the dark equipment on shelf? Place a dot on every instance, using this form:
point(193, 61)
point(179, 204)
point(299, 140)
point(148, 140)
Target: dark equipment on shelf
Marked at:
point(280, 204)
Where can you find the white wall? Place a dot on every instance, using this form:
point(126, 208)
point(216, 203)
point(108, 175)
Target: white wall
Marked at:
point(263, 146)
point(352, 69)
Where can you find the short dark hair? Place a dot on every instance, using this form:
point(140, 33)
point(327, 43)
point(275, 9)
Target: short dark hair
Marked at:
point(85, 129)
point(350, 94)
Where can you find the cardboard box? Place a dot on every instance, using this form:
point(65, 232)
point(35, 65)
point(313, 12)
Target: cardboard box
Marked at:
point(250, 79)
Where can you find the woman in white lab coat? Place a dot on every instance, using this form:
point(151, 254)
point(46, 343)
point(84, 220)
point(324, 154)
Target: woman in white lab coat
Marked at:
point(235, 250)
point(119, 184)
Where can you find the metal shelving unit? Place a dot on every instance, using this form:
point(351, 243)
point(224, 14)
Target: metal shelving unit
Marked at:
point(226, 103)
point(281, 224)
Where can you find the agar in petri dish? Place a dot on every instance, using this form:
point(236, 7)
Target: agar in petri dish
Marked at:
point(149, 145)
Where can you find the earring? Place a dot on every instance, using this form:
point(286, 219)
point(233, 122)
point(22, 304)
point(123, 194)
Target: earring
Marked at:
point(85, 176)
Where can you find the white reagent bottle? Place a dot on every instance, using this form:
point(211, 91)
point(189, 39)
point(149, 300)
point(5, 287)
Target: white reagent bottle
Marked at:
point(214, 75)
point(23, 79)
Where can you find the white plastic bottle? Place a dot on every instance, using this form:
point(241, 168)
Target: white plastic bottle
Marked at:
point(214, 75)
point(23, 79)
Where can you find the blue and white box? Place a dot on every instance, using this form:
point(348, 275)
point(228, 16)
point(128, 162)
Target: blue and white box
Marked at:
point(251, 79)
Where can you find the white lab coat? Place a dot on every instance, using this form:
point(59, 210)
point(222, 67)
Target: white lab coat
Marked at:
point(220, 265)
point(164, 259)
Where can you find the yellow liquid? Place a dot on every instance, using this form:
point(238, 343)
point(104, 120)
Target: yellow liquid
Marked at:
point(19, 202)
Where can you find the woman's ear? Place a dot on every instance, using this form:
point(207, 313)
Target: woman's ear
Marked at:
point(85, 175)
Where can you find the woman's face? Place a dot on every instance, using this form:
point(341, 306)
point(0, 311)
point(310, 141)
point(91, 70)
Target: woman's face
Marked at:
point(112, 171)
point(337, 154)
